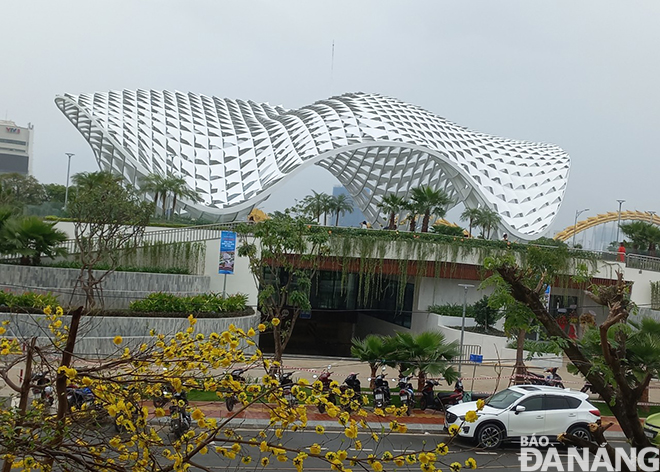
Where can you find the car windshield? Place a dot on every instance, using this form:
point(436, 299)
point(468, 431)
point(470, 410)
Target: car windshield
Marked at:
point(503, 399)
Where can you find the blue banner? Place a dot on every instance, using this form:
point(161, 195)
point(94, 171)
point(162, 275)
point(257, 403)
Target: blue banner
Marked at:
point(227, 252)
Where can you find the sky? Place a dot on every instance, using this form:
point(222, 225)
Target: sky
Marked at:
point(582, 75)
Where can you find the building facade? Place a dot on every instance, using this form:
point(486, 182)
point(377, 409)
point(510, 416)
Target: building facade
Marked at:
point(15, 148)
point(235, 153)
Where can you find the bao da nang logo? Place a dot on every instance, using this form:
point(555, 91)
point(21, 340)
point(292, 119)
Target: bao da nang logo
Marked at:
point(536, 454)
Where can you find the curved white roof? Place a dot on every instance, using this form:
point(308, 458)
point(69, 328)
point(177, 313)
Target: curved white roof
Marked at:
point(235, 152)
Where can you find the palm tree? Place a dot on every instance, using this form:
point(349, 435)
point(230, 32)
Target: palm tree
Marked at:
point(392, 204)
point(643, 235)
point(178, 187)
point(316, 205)
point(156, 185)
point(426, 353)
point(89, 180)
point(472, 215)
point(31, 237)
point(374, 350)
point(430, 201)
point(340, 204)
point(413, 209)
point(488, 220)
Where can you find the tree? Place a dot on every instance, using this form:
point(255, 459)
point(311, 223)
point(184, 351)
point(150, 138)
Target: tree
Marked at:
point(24, 189)
point(413, 209)
point(31, 237)
point(33, 437)
point(425, 353)
point(316, 205)
point(391, 205)
point(644, 236)
point(616, 365)
point(284, 256)
point(375, 350)
point(471, 215)
point(488, 220)
point(485, 315)
point(340, 204)
point(108, 219)
point(55, 193)
point(155, 184)
point(430, 202)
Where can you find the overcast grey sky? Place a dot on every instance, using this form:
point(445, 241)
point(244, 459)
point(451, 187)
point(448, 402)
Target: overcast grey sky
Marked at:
point(583, 75)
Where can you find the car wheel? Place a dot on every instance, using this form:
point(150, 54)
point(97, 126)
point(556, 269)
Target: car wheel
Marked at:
point(581, 432)
point(490, 436)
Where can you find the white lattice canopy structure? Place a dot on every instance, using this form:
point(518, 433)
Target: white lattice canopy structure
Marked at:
point(235, 153)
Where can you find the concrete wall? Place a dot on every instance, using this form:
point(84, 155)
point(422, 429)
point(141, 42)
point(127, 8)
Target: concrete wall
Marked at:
point(119, 288)
point(96, 333)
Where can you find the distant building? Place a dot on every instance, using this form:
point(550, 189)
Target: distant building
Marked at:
point(15, 148)
point(348, 219)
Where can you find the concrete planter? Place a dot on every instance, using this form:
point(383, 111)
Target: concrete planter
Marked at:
point(96, 333)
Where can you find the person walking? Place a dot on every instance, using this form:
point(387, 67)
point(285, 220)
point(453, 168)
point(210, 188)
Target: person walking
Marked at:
point(622, 252)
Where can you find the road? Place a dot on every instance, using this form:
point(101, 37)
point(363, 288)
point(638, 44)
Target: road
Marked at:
point(505, 459)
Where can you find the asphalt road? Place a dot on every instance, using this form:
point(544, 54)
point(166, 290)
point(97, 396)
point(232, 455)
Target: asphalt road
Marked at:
point(505, 459)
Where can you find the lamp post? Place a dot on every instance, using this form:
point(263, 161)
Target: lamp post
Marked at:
point(68, 170)
point(577, 213)
point(618, 225)
point(465, 290)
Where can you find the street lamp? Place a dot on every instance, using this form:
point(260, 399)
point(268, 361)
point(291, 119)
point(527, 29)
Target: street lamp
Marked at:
point(577, 213)
point(465, 290)
point(618, 225)
point(68, 170)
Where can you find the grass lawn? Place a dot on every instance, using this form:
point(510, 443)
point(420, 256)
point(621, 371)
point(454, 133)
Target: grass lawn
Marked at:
point(643, 411)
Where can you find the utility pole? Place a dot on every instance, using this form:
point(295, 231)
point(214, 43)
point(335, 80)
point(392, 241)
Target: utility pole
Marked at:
point(465, 290)
point(68, 171)
point(618, 225)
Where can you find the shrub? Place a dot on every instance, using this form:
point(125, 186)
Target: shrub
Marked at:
point(202, 303)
point(484, 314)
point(28, 300)
point(452, 310)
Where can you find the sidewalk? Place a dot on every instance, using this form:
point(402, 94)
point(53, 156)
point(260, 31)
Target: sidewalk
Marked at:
point(427, 421)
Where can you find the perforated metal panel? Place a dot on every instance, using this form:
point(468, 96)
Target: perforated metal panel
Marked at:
point(235, 152)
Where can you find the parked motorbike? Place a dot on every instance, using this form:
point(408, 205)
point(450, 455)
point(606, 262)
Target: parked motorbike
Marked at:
point(325, 380)
point(443, 399)
point(587, 388)
point(382, 395)
point(350, 383)
point(42, 388)
point(180, 419)
point(80, 398)
point(287, 385)
point(553, 379)
point(406, 393)
point(237, 375)
point(164, 397)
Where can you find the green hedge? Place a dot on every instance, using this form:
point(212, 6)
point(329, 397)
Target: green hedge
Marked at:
point(452, 310)
point(28, 300)
point(153, 270)
point(204, 303)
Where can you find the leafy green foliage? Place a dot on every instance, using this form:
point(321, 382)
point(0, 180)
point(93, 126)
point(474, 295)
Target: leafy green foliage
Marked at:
point(108, 216)
point(644, 236)
point(31, 237)
point(202, 303)
point(284, 256)
point(452, 309)
point(484, 314)
point(28, 300)
point(448, 230)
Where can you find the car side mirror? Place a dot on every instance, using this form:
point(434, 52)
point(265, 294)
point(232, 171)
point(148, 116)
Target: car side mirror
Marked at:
point(520, 409)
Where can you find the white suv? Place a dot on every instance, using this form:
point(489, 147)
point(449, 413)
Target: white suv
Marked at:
point(525, 410)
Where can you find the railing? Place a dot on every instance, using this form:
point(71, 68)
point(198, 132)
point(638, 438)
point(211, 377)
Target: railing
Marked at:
point(470, 349)
point(638, 261)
